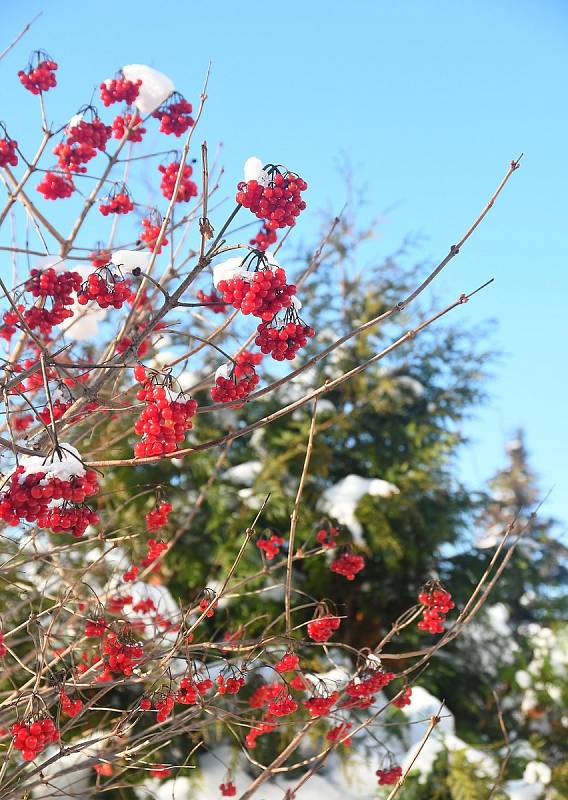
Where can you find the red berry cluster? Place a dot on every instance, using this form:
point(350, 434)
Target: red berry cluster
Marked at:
point(72, 157)
point(270, 547)
point(212, 300)
point(57, 285)
point(327, 536)
point(163, 422)
point(189, 690)
point(68, 518)
point(8, 157)
point(104, 288)
point(58, 408)
point(348, 565)
point(123, 121)
point(175, 115)
point(117, 90)
point(155, 550)
point(3, 649)
point(23, 423)
point(258, 730)
point(283, 342)
point(241, 382)
point(230, 685)
point(321, 628)
point(283, 705)
point(94, 133)
point(228, 789)
point(100, 257)
point(264, 693)
point(338, 732)
point(437, 602)
point(40, 78)
point(389, 776)
point(288, 663)
point(158, 517)
point(263, 293)
point(54, 186)
point(263, 239)
point(10, 319)
point(30, 738)
point(121, 654)
point(164, 705)
point(320, 706)
point(404, 699)
point(68, 706)
point(187, 188)
point(131, 574)
point(362, 690)
point(96, 627)
point(150, 235)
point(279, 203)
point(28, 496)
point(119, 203)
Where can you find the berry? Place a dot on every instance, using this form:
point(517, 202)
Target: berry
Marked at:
point(404, 699)
point(287, 663)
point(131, 574)
point(163, 422)
point(31, 738)
point(94, 133)
point(389, 776)
point(155, 550)
point(326, 537)
point(158, 517)
point(270, 547)
point(117, 90)
point(8, 157)
point(59, 286)
point(105, 288)
point(321, 628)
point(338, 732)
point(174, 115)
point(262, 293)
point(239, 381)
point(283, 342)
point(121, 653)
point(436, 602)
point(54, 186)
point(228, 789)
point(68, 706)
point(263, 239)
point(150, 235)
point(118, 203)
point(71, 157)
point(283, 705)
point(279, 202)
point(3, 649)
point(212, 300)
point(100, 258)
point(348, 565)
point(320, 706)
point(40, 78)
point(187, 188)
point(122, 122)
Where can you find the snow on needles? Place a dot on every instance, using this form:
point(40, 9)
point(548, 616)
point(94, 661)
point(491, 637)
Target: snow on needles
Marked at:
point(340, 500)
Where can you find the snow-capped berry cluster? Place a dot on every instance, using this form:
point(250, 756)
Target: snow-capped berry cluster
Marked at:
point(117, 90)
point(150, 234)
point(121, 653)
point(282, 341)
point(94, 133)
point(69, 706)
point(270, 547)
point(348, 565)
point(163, 422)
point(262, 293)
point(321, 628)
point(389, 776)
point(50, 493)
point(277, 201)
point(212, 300)
point(236, 381)
point(55, 186)
point(58, 286)
point(8, 157)
point(174, 115)
point(327, 536)
point(119, 202)
point(40, 78)
point(158, 517)
point(105, 288)
point(32, 737)
point(187, 188)
point(122, 122)
point(263, 239)
point(436, 602)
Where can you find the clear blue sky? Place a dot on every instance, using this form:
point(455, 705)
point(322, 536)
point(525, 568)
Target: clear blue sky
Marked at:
point(429, 100)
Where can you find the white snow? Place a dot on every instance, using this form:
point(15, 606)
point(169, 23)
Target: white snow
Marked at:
point(156, 87)
point(340, 500)
point(230, 268)
point(537, 772)
point(65, 466)
point(129, 260)
point(224, 371)
point(247, 472)
point(253, 171)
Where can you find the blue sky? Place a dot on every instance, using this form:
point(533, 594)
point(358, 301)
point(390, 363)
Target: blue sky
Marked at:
point(427, 100)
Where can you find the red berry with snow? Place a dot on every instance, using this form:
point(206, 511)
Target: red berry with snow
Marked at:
point(279, 202)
